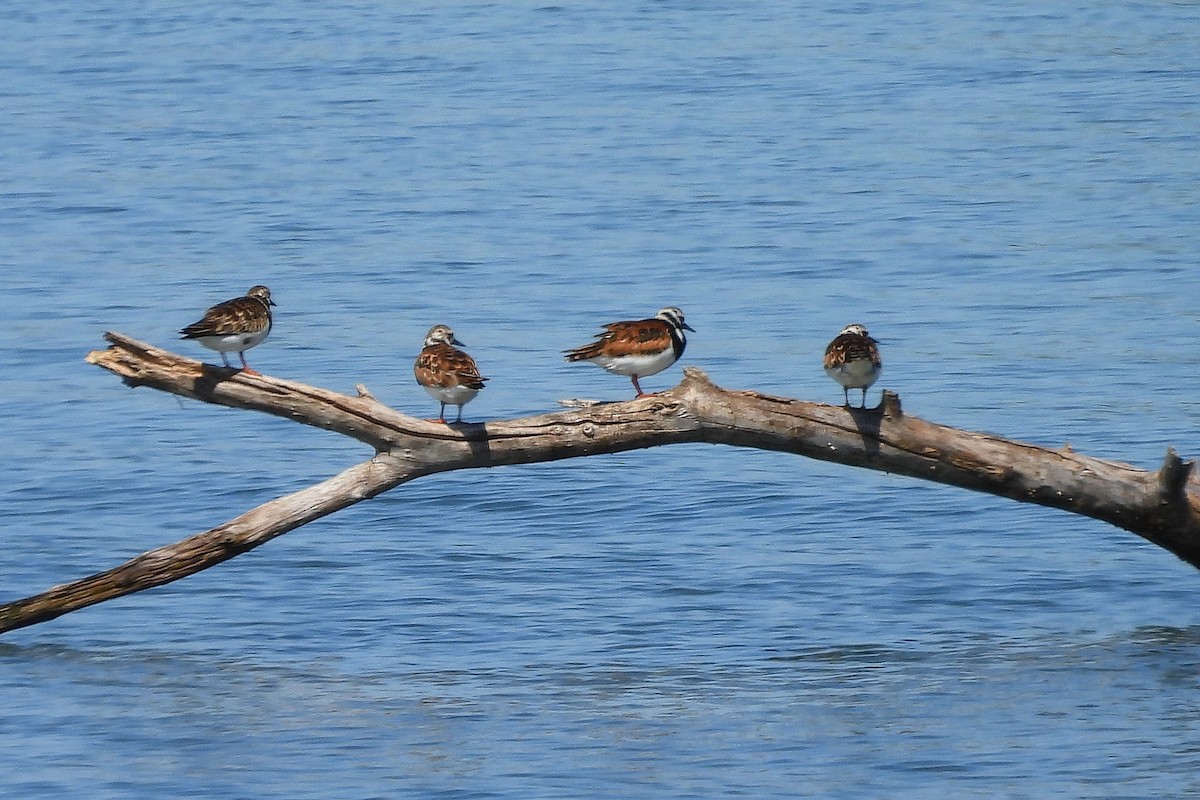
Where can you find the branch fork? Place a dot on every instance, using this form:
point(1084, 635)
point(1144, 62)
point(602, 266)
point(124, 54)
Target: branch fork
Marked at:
point(1162, 506)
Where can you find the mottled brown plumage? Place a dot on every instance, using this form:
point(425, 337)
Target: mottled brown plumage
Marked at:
point(448, 374)
point(637, 348)
point(445, 367)
point(632, 337)
point(852, 359)
point(235, 325)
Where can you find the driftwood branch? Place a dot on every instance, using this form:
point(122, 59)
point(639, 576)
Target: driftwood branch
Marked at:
point(1162, 506)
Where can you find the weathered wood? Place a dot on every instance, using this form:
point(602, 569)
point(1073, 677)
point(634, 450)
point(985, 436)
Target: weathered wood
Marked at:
point(1161, 506)
point(172, 562)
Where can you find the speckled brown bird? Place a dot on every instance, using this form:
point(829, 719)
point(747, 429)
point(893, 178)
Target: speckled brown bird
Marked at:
point(852, 359)
point(447, 373)
point(637, 348)
point(235, 325)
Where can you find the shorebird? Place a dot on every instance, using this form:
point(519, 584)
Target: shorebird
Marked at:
point(852, 359)
point(447, 373)
point(637, 348)
point(235, 325)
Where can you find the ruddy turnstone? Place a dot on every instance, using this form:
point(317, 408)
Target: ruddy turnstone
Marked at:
point(852, 359)
point(447, 373)
point(637, 348)
point(235, 325)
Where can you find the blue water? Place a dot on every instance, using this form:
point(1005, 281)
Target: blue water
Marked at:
point(1006, 194)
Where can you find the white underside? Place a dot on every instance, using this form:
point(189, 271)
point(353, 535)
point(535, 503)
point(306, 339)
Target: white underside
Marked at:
point(454, 396)
point(233, 343)
point(855, 375)
point(640, 366)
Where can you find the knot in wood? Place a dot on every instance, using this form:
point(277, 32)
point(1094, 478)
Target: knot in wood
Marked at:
point(589, 430)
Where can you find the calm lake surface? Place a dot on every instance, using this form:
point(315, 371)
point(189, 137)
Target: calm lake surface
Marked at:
point(1008, 196)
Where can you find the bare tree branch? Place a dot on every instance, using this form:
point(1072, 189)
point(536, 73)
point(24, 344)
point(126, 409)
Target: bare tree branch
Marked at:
point(1161, 506)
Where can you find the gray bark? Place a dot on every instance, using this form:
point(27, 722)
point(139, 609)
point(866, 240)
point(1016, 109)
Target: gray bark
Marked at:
point(1162, 506)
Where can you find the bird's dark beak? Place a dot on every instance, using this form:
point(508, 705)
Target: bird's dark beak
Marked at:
point(687, 327)
point(454, 340)
point(272, 303)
